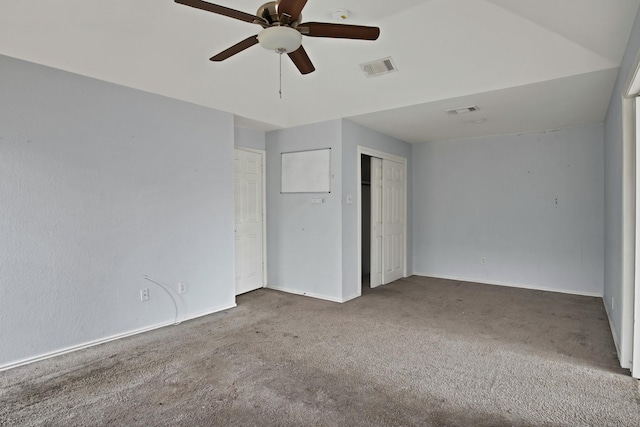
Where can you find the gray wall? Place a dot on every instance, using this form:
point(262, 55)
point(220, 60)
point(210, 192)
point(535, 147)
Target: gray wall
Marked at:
point(352, 136)
point(101, 185)
point(249, 138)
point(613, 281)
point(304, 241)
point(531, 205)
point(312, 248)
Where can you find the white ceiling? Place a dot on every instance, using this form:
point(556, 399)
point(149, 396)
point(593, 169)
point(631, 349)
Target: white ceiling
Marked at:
point(528, 65)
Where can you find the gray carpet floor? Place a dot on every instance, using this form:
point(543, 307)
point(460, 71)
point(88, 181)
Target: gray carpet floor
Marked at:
point(423, 352)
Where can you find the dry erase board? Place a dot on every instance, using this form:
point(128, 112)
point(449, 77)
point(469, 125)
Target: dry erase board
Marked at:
point(306, 171)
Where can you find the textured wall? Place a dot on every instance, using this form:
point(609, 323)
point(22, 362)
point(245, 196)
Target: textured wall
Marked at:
point(354, 135)
point(616, 297)
point(304, 241)
point(249, 138)
point(530, 205)
point(101, 185)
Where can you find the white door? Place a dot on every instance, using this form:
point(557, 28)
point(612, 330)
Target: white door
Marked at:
point(376, 223)
point(635, 364)
point(248, 221)
point(393, 213)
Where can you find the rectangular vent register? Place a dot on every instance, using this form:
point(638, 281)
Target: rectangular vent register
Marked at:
point(379, 67)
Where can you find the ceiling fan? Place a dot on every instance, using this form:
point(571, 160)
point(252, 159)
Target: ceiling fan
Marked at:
point(282, 29)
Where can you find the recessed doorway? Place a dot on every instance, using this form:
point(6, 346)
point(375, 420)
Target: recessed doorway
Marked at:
point(249, 220)
point(382, 218)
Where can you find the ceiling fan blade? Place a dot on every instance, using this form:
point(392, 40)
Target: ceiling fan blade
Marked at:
point(221, 10)
point(339, 31)
point(292, 8)
point(236, 48)
point(302, 61)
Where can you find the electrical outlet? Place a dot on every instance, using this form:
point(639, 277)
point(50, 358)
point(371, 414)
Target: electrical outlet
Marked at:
point(483, 260)
point(182, 287)
point(144, 294)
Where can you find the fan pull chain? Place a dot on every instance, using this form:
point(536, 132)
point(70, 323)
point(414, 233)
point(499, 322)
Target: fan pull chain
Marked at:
point(280, 76)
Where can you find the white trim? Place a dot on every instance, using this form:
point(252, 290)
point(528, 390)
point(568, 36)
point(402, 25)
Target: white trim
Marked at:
point(628, 242)
point(632, 84)
point(308, 294)
point(631, 159)
point(511, 285)
point(381, 155)
point(108, 339)
point(629, 348)
point(351, 297)
point(263, 155)
point(359, 219)
point(614, 333)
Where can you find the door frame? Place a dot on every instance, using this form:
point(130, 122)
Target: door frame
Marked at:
point(381, 155)
point(629, 340)
point(632, 169)
point(263, 161)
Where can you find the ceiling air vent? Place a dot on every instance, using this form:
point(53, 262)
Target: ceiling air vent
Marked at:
point(379, 67)
point(462, 110)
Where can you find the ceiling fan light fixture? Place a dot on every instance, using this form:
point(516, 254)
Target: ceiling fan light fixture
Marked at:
point(280, 39)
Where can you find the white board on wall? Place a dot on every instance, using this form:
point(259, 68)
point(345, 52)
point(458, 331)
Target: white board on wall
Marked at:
point(306, 171)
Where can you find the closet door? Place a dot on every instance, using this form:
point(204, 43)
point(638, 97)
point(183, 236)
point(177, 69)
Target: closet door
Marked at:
point(376, 222)
point(393, 220)
point(248, 221)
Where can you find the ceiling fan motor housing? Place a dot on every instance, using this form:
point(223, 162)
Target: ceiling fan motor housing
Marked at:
point(269, 12)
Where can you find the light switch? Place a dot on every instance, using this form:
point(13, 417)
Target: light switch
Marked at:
point(349, 199)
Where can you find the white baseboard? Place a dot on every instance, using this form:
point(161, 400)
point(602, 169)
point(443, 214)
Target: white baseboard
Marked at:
point(616, 340)
point(351, 297)
point(512, 285)
point(108, 339)
point(307, 294)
